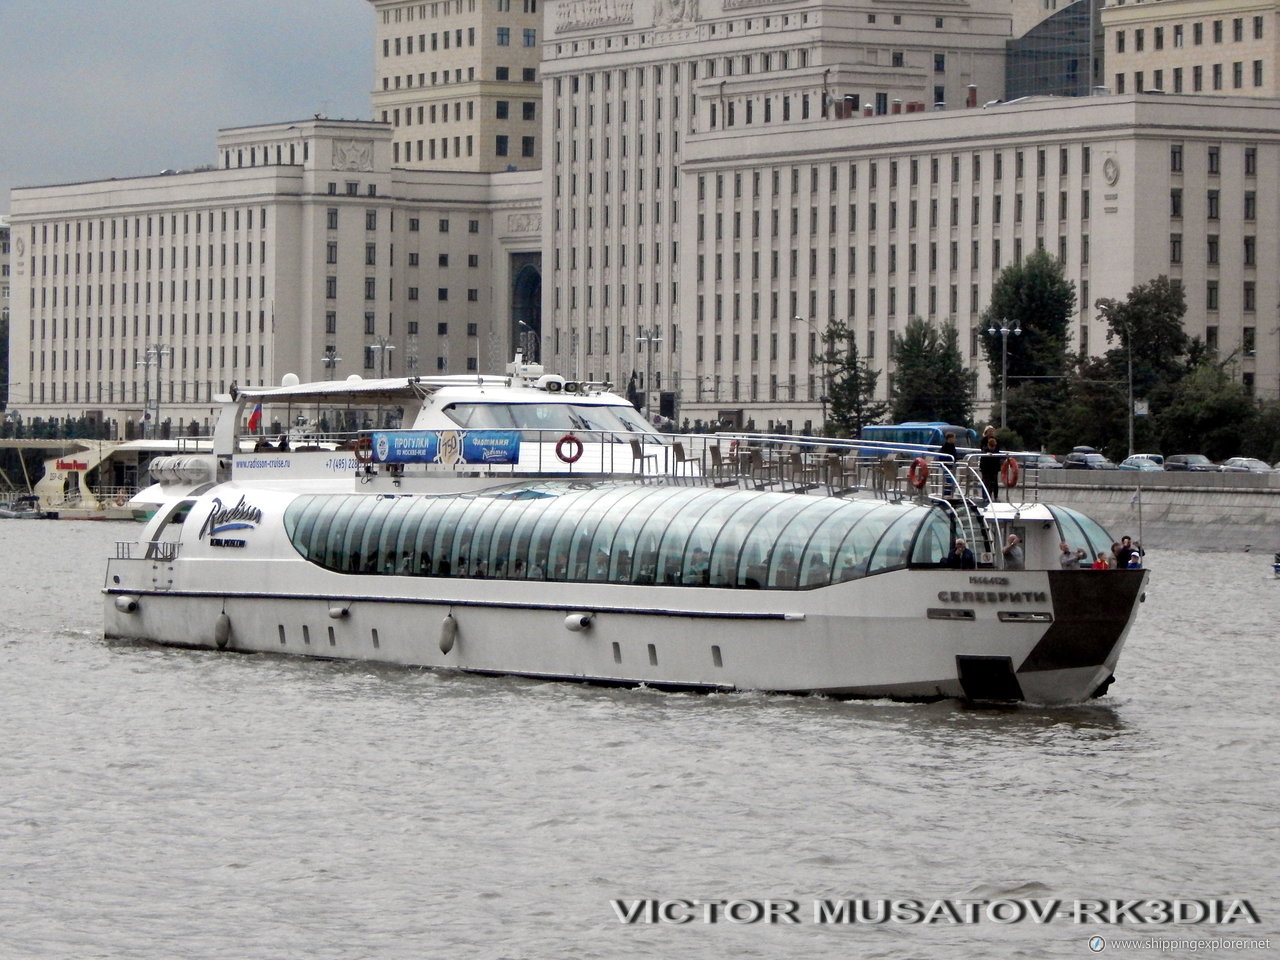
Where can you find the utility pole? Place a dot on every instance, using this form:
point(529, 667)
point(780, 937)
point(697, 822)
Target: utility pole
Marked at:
point(649, 340)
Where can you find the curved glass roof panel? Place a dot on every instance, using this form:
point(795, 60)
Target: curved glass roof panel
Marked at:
point(619, 532)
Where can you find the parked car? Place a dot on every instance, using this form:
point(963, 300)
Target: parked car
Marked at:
point(1190, 461)
point(1244, 465)
point(1026, 461)
point(1038, 461)
point(1142, 461)
point(1076, 460)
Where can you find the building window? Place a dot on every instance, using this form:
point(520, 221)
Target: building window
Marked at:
point(444, 226)
point(530, 37)
point(331, 219)
point(442, 294)
point(1175, 248)
point(526, 146)
point(504, 36)
point(502, 107)
point(1212, 205)
point(500, 145)
point(368, 324)
point(473, 295)
point(1211, 295)
point(413, 224)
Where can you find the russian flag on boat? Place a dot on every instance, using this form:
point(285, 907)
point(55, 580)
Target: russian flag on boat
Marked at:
point(255, 418)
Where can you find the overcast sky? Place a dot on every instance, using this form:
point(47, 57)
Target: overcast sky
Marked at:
point(92, 89)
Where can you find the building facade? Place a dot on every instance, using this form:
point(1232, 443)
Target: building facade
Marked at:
point(458, 82)
point(632, 85)
point(1192, 46)
point(723, 179)
point(304, 251)
point(876, 220)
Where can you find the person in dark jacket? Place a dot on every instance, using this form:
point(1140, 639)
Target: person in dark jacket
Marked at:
point(961, 557)
point(989, 464)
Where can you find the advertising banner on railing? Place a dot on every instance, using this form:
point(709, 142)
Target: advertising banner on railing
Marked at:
point(449, 447)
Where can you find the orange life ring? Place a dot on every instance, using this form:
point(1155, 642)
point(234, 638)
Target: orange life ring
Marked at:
point(364, 450)
point(569, 448)
point(918, 472)
point(1009, 472)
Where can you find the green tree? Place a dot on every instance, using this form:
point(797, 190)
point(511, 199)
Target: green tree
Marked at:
point(1035, 297)
point(849, 384)
point(930, 381)
point(1150, 323)
point(1210, 413)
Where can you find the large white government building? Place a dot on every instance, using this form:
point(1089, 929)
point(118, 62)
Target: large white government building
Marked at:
point(719, 180)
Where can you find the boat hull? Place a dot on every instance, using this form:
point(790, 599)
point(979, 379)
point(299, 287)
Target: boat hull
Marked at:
point(1039, 636)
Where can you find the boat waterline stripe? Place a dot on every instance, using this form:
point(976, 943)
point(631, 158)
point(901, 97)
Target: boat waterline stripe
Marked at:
point(517, 605)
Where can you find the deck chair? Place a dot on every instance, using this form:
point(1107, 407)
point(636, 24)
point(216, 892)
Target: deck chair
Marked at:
point(639, 458)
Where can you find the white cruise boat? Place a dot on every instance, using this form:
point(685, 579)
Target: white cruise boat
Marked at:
point(531, 526)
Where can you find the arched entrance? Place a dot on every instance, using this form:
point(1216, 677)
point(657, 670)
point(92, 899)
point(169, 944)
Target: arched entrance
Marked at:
point(526, 304)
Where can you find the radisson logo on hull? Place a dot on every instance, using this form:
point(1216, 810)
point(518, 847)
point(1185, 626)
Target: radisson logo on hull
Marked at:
point(221, 519)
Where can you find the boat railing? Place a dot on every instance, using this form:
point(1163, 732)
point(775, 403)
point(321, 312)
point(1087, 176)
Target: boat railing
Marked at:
point(151, 550)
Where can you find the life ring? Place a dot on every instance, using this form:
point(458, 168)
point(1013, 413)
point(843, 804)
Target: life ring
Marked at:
point(364, 450)
point(918, 472)
point(569, 448)
point(1009, 472)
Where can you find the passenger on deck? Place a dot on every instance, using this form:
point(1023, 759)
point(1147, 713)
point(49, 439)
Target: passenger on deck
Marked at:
point(961, 557)
point(1014, 559)
point(1070, 559)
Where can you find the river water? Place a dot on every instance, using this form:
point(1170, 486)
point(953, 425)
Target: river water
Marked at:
point(159, 803)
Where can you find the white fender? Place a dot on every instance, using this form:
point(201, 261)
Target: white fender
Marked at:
point(222, 631)
point(577, 622)
point(448, 633)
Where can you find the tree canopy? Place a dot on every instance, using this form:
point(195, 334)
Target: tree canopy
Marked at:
point(849, 383)
point(930, 381)
point(1034, 297)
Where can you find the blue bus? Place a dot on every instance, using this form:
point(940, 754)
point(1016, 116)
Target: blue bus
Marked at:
point(929, 434)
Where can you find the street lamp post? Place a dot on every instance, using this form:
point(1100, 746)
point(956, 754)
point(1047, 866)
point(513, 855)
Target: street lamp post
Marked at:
point(153, 356)
point(528, 341)
point(1128, 343)
point(823, 375)
point(649, 340)
point(383, 346)
point(330, 361)
point(1004, 330)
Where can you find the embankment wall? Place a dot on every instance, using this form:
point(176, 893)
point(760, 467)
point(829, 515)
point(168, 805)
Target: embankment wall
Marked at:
point(1187, 511)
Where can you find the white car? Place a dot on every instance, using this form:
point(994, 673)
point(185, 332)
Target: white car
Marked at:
point(1244, 465)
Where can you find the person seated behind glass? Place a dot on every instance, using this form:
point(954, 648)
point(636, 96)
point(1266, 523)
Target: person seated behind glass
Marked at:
point(788, 570)
point(624, 566)
point(818, 573)
point(961, 557)
point(699, 569)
